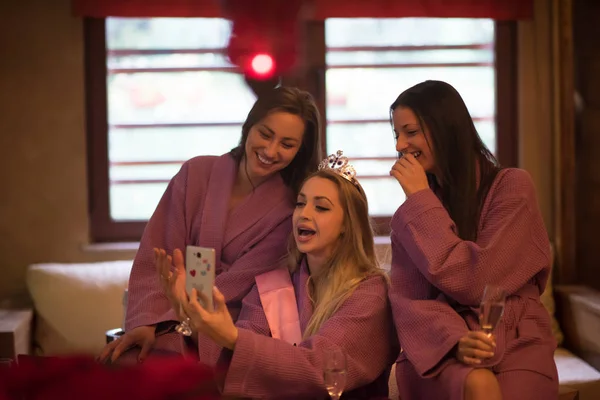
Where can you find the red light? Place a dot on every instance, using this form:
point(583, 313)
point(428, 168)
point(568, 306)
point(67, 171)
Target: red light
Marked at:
point(263, 64)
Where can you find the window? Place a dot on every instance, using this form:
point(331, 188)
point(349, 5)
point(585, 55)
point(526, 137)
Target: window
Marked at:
point(161, 91)
point(371, 61)
point(171, 95)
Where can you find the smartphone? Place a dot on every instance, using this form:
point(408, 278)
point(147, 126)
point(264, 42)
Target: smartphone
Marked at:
point(200, 273)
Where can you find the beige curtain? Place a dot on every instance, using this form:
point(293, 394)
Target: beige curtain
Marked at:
point(546, 120)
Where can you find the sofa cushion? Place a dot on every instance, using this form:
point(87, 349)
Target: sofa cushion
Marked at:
point(572, 369)
point(577, 374)
point(76, 304)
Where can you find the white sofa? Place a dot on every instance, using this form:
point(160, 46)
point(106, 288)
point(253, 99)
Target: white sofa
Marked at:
point(75, 304)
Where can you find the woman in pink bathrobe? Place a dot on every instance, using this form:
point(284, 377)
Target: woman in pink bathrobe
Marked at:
point(466, 223)
point(239, 203)
point(334, 298)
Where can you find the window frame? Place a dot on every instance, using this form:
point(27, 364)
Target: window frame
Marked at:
point(311, 77)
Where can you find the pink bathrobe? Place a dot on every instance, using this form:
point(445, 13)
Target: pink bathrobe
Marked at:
point(251, 240)
point(438, 282)
point(264, 367)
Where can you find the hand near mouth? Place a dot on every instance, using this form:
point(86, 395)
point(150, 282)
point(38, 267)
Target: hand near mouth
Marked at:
point(410, 174)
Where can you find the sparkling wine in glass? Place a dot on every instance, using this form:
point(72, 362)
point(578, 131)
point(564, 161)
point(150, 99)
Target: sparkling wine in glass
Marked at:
point(184, 327)
point(334, 372)
point(491, 308)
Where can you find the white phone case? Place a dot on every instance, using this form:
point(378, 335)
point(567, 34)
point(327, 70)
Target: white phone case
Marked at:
point(200, 272)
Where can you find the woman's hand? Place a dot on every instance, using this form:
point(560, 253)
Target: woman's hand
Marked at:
point(171, 274)
point(142, 336)
point(475, 347)
point(218, 324)
point(410, 174)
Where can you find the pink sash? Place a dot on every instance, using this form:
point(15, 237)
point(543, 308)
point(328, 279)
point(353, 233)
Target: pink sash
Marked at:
point(279, 303)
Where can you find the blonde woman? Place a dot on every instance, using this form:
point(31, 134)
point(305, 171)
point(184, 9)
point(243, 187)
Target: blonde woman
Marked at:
point(335, 298)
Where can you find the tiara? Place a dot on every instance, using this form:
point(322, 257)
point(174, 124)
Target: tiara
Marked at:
point(339, 164)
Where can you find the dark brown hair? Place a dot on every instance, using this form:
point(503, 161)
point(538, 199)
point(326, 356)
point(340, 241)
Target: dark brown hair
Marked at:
point(297, 102)
point(460, 154)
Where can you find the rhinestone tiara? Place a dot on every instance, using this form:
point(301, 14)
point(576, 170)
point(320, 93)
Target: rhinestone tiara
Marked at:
point(339, 164)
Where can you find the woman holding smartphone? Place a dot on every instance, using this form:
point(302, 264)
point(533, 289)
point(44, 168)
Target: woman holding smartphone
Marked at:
point(239, 203)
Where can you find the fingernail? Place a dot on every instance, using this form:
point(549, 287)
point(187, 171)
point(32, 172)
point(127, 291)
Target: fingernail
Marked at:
point(490, 354)
point(478, 361)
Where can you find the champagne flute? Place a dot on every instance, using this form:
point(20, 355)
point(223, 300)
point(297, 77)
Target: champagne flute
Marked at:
point(184, 327)
point(334, 372)
point(491, 308)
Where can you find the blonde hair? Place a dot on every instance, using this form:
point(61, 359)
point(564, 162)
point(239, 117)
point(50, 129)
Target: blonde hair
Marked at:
point(352, 261)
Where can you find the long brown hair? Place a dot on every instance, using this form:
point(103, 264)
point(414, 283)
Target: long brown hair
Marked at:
point(461, 157)
point(297, 102)
point(352, 261)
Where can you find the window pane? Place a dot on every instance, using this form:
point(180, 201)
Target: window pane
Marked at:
point(487, 132)
point(367, 93)
point(348, 32)
point(143, 172)
point(135, 202)
point(173, 60)
point(167, 33)
point(385, 195)
point(371, 168)
point(152, 98)
point(165, 144)
point(483, 55)
point(362, 140)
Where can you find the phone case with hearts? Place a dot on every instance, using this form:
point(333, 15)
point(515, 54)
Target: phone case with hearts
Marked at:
point(200, 272)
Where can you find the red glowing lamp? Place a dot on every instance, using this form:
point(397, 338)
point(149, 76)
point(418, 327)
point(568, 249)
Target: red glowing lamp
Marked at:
point(263, 65)
point(265, 39)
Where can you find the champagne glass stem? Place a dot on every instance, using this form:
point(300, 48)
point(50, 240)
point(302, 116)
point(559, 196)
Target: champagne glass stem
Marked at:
point(184, 326)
